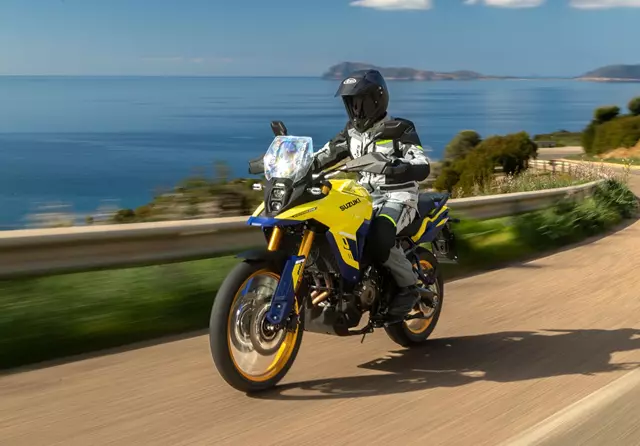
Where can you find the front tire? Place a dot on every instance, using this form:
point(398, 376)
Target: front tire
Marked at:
point(417, 331)
point(230, 333)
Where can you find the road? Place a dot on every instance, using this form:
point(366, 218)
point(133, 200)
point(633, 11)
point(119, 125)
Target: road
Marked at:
point(558, 152)
point(525, 354)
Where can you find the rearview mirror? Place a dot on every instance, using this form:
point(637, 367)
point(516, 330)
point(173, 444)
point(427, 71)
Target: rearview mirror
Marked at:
point(278, 128)
point(256, 166)
point(393, 130)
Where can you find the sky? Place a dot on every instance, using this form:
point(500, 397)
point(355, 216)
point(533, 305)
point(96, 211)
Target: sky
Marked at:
point(305, 37)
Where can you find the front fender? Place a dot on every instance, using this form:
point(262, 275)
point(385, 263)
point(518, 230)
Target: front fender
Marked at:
point(289, 268)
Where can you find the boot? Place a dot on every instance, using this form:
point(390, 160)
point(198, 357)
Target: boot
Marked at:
point(403, 303)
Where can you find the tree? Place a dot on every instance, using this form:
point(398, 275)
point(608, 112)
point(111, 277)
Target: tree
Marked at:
point(461, 145)
point(589, 136)
point(476, 167)
point(617, 133)
point(448, 178)
point(634, 106)
point(513, 151)
point(124, 216)
point(606, 113)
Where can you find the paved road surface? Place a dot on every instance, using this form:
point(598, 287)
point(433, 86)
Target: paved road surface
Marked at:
point(558, 152)
point(513, 348)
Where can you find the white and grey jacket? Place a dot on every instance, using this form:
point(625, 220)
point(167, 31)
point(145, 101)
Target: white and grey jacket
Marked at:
point(402, 187)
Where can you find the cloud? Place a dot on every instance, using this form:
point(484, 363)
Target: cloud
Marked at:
point(389, 5)
point(603, 4)
point(507, 3)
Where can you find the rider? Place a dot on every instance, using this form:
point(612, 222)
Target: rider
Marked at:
point(394, 193)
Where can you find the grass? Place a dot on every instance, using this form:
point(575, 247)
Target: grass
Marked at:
point(53, 317)
point(529, 180)
point(596, 159)
point(57, 316)
point(562, 138)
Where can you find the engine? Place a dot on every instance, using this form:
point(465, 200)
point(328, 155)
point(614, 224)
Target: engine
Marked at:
point(367, 290)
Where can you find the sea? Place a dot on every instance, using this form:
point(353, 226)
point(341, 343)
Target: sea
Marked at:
point(89, 143)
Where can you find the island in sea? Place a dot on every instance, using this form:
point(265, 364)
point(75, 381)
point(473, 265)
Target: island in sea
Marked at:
point(613, 73)
point(344, 69)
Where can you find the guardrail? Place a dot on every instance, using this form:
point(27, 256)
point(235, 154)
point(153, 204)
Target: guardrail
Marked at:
point(40, 252)
point(553, 166)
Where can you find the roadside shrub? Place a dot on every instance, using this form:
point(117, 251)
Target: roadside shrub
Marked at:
point(461, 145)
point(620, 132)
point(618, 196)
point(448, 178)
point(634, 106)
point(606, 113)
point(588, 137)
point(513, 151)
point(572, 220)
point(476, 168)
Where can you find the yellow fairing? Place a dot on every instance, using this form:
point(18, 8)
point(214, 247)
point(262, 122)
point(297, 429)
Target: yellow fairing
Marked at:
point(258, 210)
point(344, 210)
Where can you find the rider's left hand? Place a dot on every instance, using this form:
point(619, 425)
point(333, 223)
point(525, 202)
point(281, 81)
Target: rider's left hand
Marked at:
point(396, 167)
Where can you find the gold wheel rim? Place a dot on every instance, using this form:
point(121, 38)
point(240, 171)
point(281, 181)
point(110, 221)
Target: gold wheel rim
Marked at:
point(282, 356)
point(419, 326)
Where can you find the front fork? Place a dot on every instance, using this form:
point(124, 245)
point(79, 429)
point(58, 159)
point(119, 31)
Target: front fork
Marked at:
point(290, 278)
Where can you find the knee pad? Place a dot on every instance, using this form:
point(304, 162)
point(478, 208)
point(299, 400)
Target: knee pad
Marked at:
point(381, 238)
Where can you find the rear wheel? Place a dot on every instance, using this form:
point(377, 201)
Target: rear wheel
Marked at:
point(249, 353)
point(417, 331)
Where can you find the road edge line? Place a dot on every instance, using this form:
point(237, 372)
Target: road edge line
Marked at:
point(571, 415)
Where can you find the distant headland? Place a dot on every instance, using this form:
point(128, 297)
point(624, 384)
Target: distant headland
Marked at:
point(613, 73)
point(610, 73)
point(342, 70)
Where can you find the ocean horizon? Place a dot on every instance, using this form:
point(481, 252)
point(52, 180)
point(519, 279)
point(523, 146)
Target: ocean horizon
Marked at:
point(86, 140)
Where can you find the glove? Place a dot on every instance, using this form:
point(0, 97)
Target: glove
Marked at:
point(396, 167)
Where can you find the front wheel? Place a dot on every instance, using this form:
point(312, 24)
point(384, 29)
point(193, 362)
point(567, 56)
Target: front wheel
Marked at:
point(249, 353)
point(417, 331)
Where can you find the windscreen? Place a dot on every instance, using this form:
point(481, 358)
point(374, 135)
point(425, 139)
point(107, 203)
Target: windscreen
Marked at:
point(288, 157)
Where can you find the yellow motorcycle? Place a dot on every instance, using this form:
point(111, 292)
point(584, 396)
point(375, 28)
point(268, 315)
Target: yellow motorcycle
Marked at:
point(314, 273)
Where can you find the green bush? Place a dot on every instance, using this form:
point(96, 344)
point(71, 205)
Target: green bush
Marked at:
point(606, 113)
point(617, 196)
point(461, 145)
point(448, 178)
point(476, 168)
point(620, 132)
point(512, 152)
point(588, 137)
point(571, 220)
point(634, 106)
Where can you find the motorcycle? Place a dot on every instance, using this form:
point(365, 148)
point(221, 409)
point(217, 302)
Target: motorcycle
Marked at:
point(314, 273)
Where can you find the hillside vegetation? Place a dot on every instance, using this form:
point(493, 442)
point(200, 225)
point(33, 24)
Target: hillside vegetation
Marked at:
point(614, 72)
point(470, 162)
point(610, 130)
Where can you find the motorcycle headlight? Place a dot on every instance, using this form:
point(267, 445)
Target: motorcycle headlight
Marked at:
point(278, 197)
point(276, 206)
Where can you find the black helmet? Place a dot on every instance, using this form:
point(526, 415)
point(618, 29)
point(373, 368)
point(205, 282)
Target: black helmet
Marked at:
point(365, 98)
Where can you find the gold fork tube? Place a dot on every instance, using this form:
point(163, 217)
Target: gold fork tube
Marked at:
point(274, 241)
point(305, 245)
point(303, 251)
